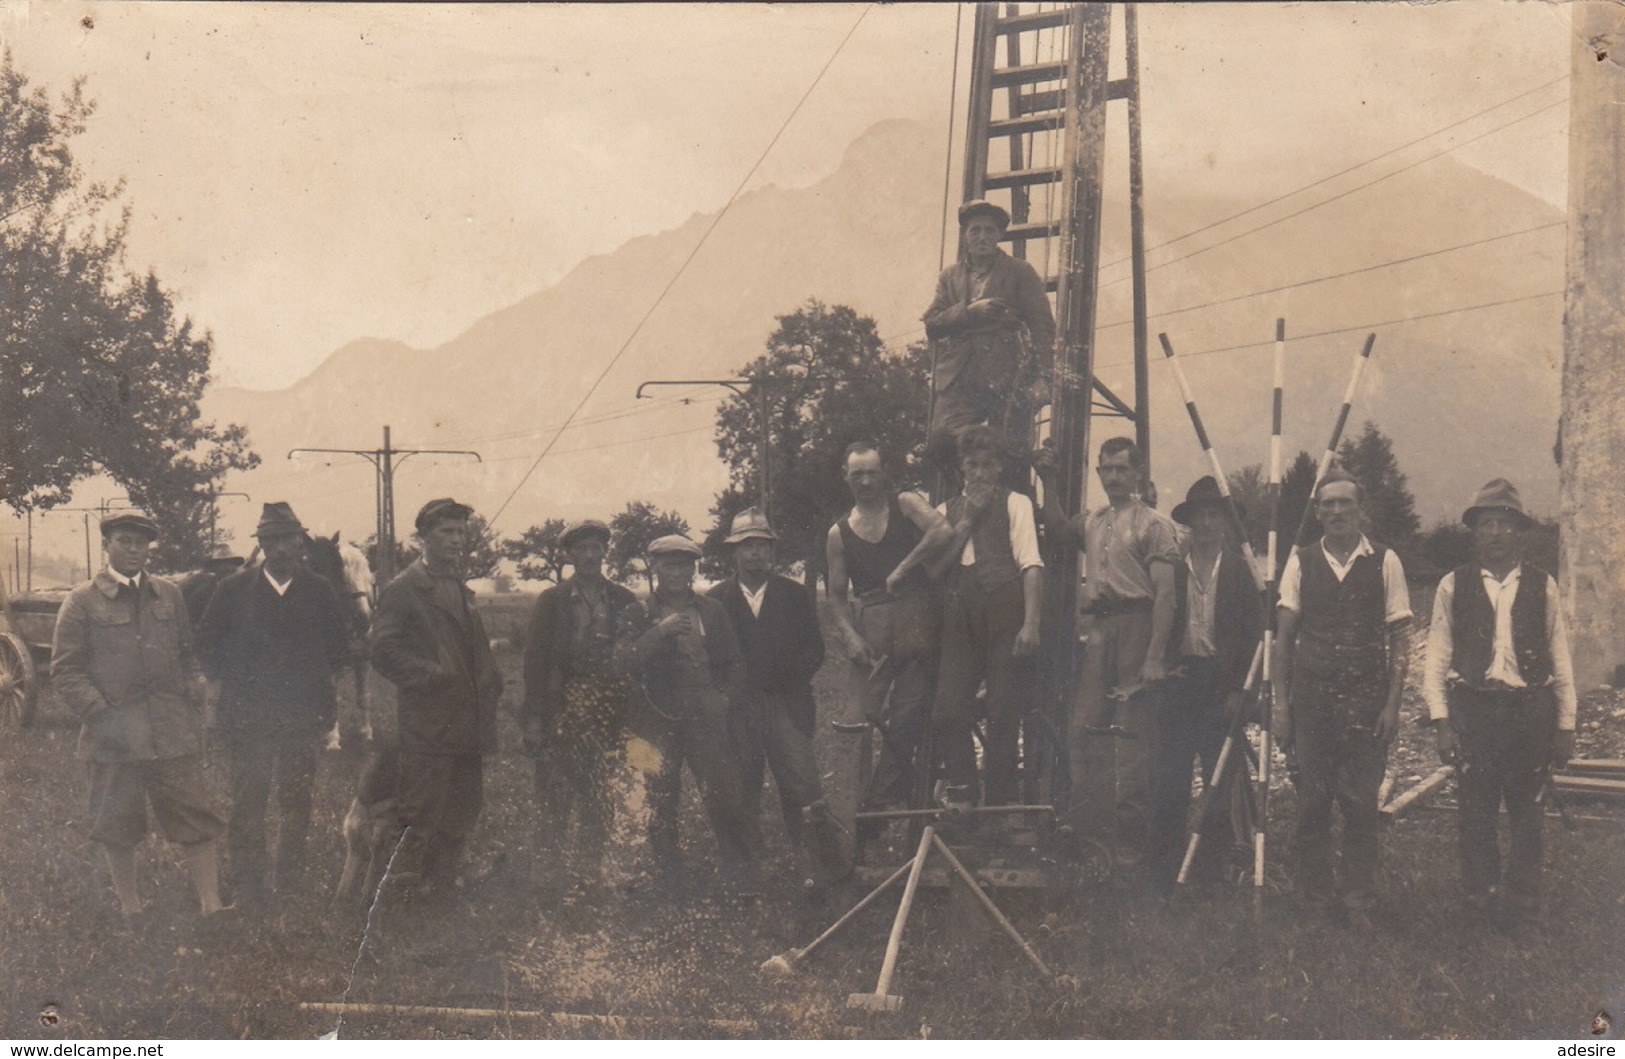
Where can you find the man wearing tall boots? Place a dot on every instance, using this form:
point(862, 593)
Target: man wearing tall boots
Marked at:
point(123, 661)
point(429, 641)
point(1341, 657)
point(274, 636)
point(1499, 684)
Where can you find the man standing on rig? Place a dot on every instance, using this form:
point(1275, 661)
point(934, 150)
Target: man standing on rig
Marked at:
point(1499, 684)
point(994, 334)
point(1341, 657)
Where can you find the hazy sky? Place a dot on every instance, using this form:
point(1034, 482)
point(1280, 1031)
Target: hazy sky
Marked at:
point(306, 175)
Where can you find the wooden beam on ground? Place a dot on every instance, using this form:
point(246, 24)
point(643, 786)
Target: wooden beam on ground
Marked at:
point(1598, 766)
point(1600, 786)
point(627, 1023)
point(1418, 794)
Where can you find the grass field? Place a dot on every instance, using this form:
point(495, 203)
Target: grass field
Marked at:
point(688, 967)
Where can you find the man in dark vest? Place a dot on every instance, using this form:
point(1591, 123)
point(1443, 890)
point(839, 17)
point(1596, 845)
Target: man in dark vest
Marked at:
point(1499, 685)
point(1218, 619)
point(273, 636)
point(885, 606)
point(995, 593)
point(429, 641)
point(994, 334)
point(681, 647)
point(575, 707)
point(1341, 658)
point(772, 722)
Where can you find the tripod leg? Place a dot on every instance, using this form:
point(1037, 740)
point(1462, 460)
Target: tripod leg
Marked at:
point(990, 908)
point(881, 999)
point(787, 961)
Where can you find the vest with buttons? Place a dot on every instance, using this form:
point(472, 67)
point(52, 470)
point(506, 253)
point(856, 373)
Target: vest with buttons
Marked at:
point(995, 563)
point(1342, 623)
point(1472, 619)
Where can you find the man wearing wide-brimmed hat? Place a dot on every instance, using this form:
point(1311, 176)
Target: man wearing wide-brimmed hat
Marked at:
point(683, 651)
point(429, 641)
point(778, 632)
point(574, 709)
point(1218, 620)
point(123, 660)
point(274, 635)
point(1499, 684)
point(994, 336)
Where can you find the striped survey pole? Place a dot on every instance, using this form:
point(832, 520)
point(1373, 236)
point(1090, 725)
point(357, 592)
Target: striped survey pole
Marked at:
point(1266, 695)
point(1236, 525)
point(1326, 458)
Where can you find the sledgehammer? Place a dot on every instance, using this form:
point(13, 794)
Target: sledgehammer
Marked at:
point(786, 962)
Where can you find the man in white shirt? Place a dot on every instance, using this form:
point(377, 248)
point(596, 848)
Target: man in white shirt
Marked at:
point(1341, 659)
point(990, 629)
point(1499, 684)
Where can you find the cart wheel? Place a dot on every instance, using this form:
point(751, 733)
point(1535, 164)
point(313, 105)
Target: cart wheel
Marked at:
point(19, 685)
point(1094, 864)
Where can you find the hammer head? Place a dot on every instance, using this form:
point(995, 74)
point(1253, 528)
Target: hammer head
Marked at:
point(783, 964)
point(877, 1003)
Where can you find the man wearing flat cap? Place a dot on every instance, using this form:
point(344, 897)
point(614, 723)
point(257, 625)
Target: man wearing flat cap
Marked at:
point(1499, 684)
point(123, 660)
point(273, 635)
point(428, 640)
point(1218, 620)
point(778, 632)
point(574, 707)
point(681, 648)
point(994, 336)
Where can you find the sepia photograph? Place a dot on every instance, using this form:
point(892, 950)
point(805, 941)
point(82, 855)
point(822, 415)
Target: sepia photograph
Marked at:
point(812, 521)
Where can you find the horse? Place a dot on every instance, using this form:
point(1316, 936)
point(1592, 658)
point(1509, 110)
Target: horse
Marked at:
point(345, 567)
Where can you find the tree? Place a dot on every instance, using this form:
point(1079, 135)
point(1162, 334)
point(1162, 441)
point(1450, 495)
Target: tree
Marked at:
point(632, 531)
point(100, 374)
point(484, 559)
point(832, 382)
point(537, 553)
point(1251, 491)
point(406, 553)
point(1390, 509)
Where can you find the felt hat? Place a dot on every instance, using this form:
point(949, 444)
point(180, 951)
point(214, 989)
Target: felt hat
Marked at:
point(587, 527)
point(443, 508)
point(1498, 495)
point(1203, 492)
point(132, 520)
point(674, 544)
point(224, 556)
point(278, 519)
point(750, 524)
point(976, 207)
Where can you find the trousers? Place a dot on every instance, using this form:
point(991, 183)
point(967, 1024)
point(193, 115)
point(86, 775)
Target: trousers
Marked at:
point(1191, 726)
point(896, 696)
point(439, 802)
point(1112, 772)
point(978, 641)
point(697, 734)
point(1340, 762)
point(287, 757)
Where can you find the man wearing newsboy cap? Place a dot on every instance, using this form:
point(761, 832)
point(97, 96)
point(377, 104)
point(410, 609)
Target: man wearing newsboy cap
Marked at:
point(429, 641)
point(123, 660)
point(1499, 685)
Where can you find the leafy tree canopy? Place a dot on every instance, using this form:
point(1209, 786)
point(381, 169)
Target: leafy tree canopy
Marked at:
point(537, 553)
point(632, 531)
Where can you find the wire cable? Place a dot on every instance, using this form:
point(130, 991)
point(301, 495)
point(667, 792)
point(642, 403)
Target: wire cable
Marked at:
point(681, 269)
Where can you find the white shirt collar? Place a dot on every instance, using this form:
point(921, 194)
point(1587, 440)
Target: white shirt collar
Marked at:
point(131, 582)
point(281, 587)
point(1510, 578)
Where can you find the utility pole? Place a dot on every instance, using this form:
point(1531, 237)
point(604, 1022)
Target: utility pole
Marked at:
point(385, 461)
point(214, 496)
point(101, 509)
point(1591, 438)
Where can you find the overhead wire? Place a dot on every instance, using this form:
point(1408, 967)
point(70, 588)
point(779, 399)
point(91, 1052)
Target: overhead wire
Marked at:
point(681, 269)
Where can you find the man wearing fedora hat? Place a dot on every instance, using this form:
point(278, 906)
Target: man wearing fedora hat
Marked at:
point(1340, 663)
point(994, 334)
point(122, 659)
point(681, 648)
point(1218, 620)
point(1499, 684)
point(783, 646)
point(429, 641)
point(273, 635)
point(574, 706)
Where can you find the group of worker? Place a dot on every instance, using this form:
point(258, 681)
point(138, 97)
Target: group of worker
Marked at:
point(938, 611)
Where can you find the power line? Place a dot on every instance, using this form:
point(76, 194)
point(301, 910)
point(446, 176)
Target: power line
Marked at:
point(1360, 327)
point(1342, 275)
point(1358, 165)
point(684, 266)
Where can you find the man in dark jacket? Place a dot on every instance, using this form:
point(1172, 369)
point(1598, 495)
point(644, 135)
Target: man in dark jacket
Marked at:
point(575, 704)
point(428, 640)
point(122, 659)
point(273, 636)
point(778, 632)
point(1218, 619)
point(682, 649)
point(994, 334)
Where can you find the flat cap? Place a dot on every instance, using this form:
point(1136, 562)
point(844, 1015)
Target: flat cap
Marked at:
point(674, 544)
point(437, 510)
point(974, 207)
point(587, 527)
point(129, 520)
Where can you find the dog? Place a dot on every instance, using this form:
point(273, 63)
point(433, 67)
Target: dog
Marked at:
point(370, 825)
